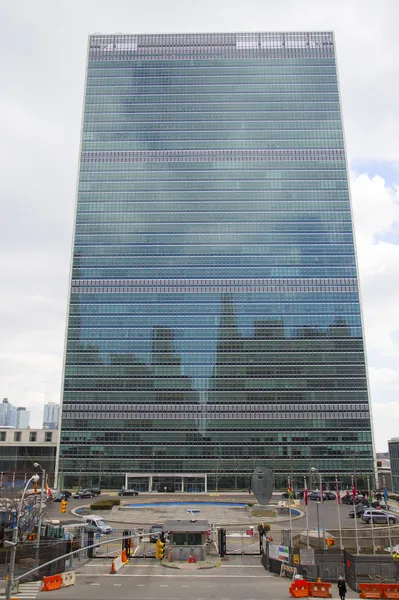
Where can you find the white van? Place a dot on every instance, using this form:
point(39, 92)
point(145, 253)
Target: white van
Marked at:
point(96, 521)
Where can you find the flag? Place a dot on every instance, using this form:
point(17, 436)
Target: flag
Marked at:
point(48, 491)
point(337, 491)
point(385, 494)
point(289, 490)
point(353, 491)
point(305, 495)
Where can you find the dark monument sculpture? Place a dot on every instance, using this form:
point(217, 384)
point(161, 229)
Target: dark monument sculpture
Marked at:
point(262, 484)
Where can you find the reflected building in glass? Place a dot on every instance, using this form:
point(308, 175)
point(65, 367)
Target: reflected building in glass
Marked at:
point(214, 316)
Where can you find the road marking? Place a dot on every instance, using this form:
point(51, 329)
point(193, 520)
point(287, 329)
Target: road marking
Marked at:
point(246, 566)
point(163, 585)
point(95, 584)
point(186, 585)
point(140, 585)
point(114, 575)
point(121, 584)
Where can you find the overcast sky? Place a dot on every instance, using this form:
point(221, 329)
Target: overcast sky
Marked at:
point(42, 67)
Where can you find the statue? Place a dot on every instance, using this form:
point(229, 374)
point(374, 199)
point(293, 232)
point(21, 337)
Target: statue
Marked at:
point(262, 484)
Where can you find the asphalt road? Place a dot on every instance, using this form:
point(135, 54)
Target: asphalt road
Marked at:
point(239, 578)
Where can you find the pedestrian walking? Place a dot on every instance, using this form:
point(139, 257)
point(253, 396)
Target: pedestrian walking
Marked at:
point(341, 588)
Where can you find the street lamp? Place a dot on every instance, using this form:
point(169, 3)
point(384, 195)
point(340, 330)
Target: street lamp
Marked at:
point(318, 524)
point(13, 544)
point(39, 526)
point(315, 471)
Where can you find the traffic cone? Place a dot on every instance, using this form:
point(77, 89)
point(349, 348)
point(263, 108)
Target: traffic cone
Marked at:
point(113, 568)
point(124, 557)
point(190, 560)
point(195, 558)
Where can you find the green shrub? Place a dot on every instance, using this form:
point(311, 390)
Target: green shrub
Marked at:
point(105, 504)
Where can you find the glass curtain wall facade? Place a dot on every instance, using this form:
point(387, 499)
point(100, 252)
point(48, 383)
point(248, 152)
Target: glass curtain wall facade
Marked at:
point(214, 318)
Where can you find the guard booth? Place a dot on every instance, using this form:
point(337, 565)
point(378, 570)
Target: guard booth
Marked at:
point(187, 538)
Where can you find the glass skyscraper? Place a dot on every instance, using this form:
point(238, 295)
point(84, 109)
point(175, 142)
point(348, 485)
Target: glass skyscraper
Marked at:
point(214, 317)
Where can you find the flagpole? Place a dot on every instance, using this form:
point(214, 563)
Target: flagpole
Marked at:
point(354, 508)
point(339, 512)
point(306, 511)
point(322, 510)
point(372, 520)
point(289, 509)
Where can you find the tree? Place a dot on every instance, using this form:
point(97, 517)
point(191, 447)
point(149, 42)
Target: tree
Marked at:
point(29, 515)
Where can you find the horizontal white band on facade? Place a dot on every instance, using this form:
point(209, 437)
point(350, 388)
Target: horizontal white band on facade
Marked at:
point(187, 286)
point(212, 155)
point(364, 415)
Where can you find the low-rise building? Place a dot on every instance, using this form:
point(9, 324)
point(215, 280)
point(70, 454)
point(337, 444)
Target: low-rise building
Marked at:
point(393, 446)
point(20, 448)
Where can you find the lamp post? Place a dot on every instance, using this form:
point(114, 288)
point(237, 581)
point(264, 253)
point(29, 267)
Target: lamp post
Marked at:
point(314, 470)
point(318, 524)
point(14, 542)
point(39, 526)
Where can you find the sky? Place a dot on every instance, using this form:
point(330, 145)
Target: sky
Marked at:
point(42, 68)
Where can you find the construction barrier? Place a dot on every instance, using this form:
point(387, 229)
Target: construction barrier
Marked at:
point(370, 590)
point(116, 564)
point(320, 589)
point(390, 590)
point(299, 588)
point(68, 578)
point(53, 582)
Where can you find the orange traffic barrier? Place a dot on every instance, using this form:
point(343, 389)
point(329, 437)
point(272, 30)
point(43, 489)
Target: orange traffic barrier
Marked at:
point(370, 590)
point(190, 560)
point(299, 588)
point(390, 590)
point(53, 582)
point(321, 589)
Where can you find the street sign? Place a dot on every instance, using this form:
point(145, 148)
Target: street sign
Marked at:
point(296, 559)
point(306, 556)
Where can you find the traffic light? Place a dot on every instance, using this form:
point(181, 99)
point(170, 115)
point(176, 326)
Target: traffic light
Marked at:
point(159, 549)
point(330, 541)
point(63, 507)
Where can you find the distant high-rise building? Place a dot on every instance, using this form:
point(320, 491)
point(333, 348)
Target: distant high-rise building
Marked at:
point(23, 417)
point(8, 414)
point(50, 415)
point(214, 313)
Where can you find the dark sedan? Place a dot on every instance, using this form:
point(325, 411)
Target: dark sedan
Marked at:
point(84, 494)
point(330, 496)
point(317, 496)
point(128, 493)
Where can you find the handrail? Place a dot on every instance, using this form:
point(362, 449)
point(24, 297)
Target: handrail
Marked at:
point(125, 537)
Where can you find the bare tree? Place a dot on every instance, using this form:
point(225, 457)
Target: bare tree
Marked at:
point(30, 511)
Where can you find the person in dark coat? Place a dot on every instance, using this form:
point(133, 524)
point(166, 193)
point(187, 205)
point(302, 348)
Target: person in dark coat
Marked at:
point(341, 588)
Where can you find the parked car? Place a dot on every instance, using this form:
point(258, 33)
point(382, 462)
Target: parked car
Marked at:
point(57, 497)
point(66, 493)
point(96, 491)
point(348, 499)
point(128, 493)
point(155, 532)
point(330, 496)
point(317, 496)
point(84, 494)
point(378, 504)
point(359, 509)
point(98, 522)
point(378, 516)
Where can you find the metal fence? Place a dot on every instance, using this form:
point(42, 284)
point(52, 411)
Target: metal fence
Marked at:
point(361, 568)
